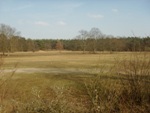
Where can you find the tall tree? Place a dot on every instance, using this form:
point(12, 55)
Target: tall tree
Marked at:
point(22, 44)
point(14, 44)
point(31, 45)
point(9, 32)
point(59, 45)
point(83, 37)
point(94, 35)
point(3, 43)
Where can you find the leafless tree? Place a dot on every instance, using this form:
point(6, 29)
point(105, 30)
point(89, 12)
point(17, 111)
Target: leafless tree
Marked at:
point(6, 33)
point(94, 35)
point(83, 37)
point(3, 43)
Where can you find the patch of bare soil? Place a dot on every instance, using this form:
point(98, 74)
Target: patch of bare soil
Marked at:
point(46, 70)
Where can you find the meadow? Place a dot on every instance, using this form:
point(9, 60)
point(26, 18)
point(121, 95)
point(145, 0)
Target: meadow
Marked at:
point(72, 82)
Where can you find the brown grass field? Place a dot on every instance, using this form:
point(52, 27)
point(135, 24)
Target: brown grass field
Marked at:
point(72, 82)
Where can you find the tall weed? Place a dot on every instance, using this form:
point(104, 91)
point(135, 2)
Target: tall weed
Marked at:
point(135, 73)
point(124, 89)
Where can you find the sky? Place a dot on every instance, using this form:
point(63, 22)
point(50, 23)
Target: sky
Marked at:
point(63, 19)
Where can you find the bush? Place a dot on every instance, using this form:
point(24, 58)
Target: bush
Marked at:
point(135, 92)
point(102, 99)
point(128, 93)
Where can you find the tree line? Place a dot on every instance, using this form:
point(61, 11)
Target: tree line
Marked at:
point(91, 41)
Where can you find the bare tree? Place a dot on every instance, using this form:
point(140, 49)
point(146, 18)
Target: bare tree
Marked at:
point(3, 43)
point(83, 37)
point(94, 35)
point(7, 32)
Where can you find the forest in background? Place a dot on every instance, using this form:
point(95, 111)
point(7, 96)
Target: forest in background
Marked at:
point(92, 41)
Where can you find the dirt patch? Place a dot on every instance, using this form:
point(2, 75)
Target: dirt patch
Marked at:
point(46, 70)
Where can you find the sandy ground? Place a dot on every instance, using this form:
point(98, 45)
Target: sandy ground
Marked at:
point(48, 70)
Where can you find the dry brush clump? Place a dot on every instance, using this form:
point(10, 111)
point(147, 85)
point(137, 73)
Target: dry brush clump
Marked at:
point(41, 98)
point(102, 99)
point(135, 92)
point(37, 102)
point(129, 92)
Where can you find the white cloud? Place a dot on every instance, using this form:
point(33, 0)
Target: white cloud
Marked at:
point(61, 23)
point(115, 10)
point(41, 23)
point(96, 16)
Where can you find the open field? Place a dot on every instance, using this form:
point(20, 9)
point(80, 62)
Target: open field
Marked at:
point(45, 82)
point(55, 59)
point(64, 59)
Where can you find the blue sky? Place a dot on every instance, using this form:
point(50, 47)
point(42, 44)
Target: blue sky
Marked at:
point(55, 19)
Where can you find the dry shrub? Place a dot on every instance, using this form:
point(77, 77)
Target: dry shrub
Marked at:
point(131, 94)
point(102, 99)
point(135, 92)
point(57, 102)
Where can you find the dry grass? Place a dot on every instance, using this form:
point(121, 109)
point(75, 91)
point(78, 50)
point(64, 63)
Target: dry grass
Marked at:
point(129, 92)
point(61, 60)
point(110, 88)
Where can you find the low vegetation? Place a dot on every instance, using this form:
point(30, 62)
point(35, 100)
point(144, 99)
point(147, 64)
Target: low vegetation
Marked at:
point(127, 91)
point(112, 83)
